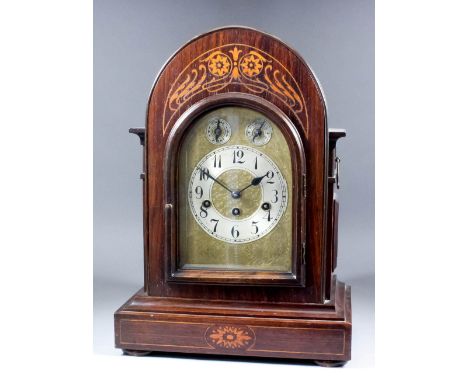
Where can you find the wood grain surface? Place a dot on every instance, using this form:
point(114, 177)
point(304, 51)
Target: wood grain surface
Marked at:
point(306, 110)
point(305, 314)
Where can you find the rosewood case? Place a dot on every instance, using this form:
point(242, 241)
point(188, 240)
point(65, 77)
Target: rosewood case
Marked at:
point(305, 314)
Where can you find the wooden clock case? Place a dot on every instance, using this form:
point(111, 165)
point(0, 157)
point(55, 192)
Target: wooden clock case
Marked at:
point(302, 314)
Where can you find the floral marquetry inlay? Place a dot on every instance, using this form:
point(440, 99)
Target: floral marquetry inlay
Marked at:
point(255, 71)
point(230, 337)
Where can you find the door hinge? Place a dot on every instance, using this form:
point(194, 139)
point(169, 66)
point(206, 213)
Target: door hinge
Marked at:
point(303, 252)
point(337, 172)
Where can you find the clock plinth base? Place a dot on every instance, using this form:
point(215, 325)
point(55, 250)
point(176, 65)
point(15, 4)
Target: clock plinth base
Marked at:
point(318, 332)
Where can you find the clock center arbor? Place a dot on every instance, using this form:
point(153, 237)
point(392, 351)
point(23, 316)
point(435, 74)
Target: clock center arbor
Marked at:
point(240, 208)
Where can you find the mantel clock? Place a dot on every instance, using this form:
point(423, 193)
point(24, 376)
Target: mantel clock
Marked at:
point(240, 208)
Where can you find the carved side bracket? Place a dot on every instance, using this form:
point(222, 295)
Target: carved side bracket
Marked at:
point(140, 131)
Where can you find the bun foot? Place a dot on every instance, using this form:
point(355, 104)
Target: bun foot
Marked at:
point(136, 353)
point(330, 363)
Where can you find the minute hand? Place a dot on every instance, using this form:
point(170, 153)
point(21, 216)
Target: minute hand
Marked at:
point(255, 182)
point(216, 180)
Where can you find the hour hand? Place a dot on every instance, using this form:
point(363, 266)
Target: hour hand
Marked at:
point(255, 182)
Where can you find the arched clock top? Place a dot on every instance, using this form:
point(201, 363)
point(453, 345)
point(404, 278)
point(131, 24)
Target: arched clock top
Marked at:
point(238, 59)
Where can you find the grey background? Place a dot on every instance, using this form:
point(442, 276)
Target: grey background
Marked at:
point(132, 41)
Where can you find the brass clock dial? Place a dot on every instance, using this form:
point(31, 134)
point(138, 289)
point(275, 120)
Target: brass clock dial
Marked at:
point(235, 198)
point(237, 194)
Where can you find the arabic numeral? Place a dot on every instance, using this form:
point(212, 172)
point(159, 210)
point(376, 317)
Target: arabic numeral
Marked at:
point(199, 192)
point(275, 200)
point(255, 226)
point(216, 221)
point(270, 175)
point(217, 161)
point(237, 156)
point(235, 232)
point(203, 212)
point(204, 174)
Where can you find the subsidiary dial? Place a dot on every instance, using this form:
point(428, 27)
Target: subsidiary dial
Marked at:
point(218, 131)
point(259, 132)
